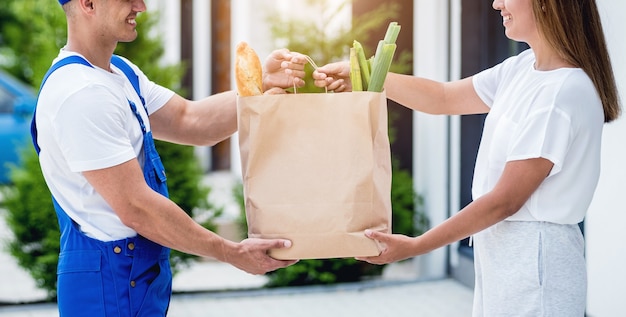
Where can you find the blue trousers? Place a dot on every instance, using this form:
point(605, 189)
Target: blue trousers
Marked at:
point(129, 277)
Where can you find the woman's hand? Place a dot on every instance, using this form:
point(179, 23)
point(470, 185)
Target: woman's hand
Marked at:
point(334, 76)
point(396, 247)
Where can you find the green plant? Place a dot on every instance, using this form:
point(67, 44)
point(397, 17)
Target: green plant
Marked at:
point(32, 219)
point(409, 217)
point(30, 214)
point(241, 222)
point(315, 38)
point(31, 33)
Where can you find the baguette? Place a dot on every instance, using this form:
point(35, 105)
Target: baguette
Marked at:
point(248, 71)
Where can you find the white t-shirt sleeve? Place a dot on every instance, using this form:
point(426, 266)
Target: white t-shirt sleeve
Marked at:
point(546, 133)
point(90, 129)
point(95, 128)
point(487, 82)
point(156, 96)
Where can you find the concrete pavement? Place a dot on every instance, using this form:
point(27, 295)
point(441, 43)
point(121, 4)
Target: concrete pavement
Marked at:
point(441, 298)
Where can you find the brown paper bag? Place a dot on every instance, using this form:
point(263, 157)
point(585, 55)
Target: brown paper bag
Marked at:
point(317, 171)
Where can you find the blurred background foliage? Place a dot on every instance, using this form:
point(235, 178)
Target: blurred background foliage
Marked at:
point(326, 40)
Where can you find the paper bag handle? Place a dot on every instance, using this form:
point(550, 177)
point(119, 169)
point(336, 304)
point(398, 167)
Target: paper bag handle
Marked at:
point(310, 60)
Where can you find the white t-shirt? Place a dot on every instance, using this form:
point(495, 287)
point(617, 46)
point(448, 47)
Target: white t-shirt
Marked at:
point(84, 123)
point(556, 115)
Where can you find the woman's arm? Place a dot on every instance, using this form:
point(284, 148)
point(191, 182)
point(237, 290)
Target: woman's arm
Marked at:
point(421, 94)
point(517, 183)
point(429, 96)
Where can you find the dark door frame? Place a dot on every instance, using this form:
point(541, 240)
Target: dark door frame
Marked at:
point(483, 45)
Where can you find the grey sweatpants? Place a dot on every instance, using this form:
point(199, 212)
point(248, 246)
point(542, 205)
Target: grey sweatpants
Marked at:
point(529, 269)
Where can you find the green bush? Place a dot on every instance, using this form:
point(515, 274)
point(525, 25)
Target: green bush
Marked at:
point(30, 214)
point(31, 218)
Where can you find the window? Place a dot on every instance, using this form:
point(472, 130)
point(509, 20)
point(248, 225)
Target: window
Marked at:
point(6, 101)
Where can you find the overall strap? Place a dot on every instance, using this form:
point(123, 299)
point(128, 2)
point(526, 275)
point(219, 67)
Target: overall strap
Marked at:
point(134, 80)
point(130, 74)
point(74, 59)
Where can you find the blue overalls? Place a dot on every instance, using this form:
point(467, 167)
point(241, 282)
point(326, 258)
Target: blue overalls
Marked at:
point(128, 277)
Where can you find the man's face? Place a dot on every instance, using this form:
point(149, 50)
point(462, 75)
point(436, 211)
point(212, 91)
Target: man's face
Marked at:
point(117, 18)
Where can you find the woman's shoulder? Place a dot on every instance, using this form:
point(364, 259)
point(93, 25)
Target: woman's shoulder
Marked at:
point(513, 65)
point(573, 92)
point(571, 83)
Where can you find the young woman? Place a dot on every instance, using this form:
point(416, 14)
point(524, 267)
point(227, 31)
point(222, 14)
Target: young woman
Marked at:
point(538, 163)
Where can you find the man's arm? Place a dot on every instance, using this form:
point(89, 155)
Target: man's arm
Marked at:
point(203, 122)
point(158, 219)
point(213, 119)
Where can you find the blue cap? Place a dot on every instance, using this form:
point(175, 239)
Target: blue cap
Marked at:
point(62, 2)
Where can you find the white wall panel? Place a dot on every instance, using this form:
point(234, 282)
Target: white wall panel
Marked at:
point(431, 133)
point(606, 221)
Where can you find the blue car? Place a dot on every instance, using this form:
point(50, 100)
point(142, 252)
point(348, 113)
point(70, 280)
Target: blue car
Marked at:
point(17, 102)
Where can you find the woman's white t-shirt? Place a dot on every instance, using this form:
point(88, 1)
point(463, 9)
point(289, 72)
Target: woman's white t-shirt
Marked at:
point(84, 123)
point(556, 115)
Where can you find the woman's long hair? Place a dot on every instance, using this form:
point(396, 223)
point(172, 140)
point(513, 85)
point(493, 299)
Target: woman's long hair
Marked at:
point(574, 29)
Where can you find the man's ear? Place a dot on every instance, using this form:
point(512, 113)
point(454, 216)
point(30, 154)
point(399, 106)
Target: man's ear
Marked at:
point(86, 5)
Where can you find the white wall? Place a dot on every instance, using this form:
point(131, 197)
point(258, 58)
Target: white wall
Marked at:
point(202, 63)
point(248, 24)
point(431, 133)
point(606, 220)
point(169, 27)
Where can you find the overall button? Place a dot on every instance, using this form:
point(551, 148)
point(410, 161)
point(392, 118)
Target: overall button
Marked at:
point(117, 250)
point(132, 283)
point(131, 246)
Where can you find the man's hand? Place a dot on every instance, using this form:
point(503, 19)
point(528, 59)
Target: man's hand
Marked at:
point(334, 76)
point(250, 255)
point(283, 69)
